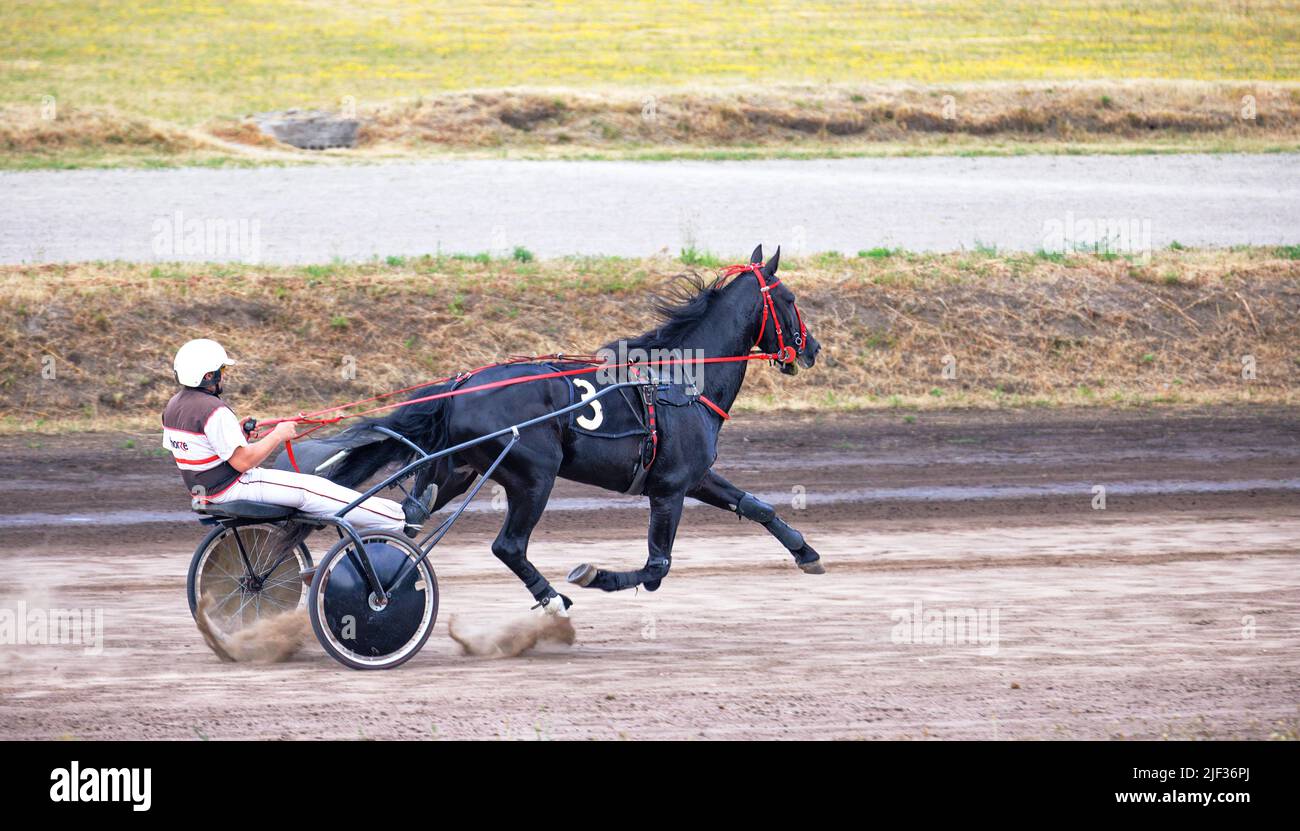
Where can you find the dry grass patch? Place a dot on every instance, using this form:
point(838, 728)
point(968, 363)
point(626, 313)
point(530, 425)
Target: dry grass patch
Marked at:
point(33, 129)
point(1020, 330)
point(782, 121)
point(36, 136)
point(843, 118)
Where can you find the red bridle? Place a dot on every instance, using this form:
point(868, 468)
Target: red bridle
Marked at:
point(785, 354)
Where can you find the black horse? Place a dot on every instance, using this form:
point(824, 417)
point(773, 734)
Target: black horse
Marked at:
point(607, 445)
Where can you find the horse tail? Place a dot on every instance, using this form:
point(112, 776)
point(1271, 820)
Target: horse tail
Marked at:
point(424, 424)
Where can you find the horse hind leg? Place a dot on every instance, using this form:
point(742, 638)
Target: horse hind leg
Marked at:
point(755, 509)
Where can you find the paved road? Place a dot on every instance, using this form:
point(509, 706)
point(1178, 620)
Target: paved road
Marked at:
point(316, 214)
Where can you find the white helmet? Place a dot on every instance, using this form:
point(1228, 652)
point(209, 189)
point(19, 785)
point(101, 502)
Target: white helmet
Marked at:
point(197, 358)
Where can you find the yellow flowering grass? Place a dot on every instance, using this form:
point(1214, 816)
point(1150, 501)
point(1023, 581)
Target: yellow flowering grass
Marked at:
point(187, 62)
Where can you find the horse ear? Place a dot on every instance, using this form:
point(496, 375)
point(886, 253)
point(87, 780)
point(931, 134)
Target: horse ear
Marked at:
point(757, 257)
point(769, 270)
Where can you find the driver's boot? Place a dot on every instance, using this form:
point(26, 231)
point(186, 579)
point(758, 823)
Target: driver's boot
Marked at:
point(417, 511)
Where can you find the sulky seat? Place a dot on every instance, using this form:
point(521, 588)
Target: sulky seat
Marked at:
point(245, 509)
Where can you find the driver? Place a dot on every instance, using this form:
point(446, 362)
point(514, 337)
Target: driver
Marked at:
point(219, 465)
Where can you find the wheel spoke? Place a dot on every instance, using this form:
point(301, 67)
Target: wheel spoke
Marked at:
point(255, 549)
point(216, 563)
point(283, 580)
point(222, 602)
point(264, 550)
point(248, 596)
point(270, 599)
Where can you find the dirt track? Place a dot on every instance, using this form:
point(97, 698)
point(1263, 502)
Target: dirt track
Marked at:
point(1174, 612)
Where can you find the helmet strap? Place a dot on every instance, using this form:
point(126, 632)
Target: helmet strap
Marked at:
point(212, 386)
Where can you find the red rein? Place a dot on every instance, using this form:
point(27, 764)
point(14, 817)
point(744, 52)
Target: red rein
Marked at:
point(785, 354)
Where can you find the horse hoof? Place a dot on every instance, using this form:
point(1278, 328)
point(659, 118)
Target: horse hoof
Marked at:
point(582, 575)
point(651, 585)
point(815, 567)
point(556, 605)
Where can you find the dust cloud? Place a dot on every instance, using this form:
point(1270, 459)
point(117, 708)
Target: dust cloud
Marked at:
point(514, 637)
point(269, 640)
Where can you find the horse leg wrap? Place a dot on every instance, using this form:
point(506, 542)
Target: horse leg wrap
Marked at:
point(416, 509)
point(656, 569)
point(613, 581)
point(553, 602)
point(788, 536)
point(751, 507)
point(541, 589)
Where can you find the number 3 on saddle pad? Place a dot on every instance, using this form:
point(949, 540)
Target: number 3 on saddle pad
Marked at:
point(597, 416)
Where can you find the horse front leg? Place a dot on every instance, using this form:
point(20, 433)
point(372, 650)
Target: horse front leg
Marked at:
point(718, 492)
point(665, 514)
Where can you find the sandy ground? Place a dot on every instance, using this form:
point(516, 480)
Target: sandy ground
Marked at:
point(1174, 612)
point(313, 215)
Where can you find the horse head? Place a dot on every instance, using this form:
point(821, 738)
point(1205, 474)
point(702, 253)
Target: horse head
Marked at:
point(783, 330)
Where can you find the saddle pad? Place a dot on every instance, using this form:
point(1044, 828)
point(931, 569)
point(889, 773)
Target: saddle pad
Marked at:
point(621, 414)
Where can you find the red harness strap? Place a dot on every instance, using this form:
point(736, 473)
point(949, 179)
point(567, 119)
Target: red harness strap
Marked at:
point(706, 402)
point(652, 423)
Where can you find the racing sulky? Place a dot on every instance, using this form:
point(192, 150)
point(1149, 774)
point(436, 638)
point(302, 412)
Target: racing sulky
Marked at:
point(658, 439)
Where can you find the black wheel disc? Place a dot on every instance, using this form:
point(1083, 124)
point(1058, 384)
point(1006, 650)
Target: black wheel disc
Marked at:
point(364, 631)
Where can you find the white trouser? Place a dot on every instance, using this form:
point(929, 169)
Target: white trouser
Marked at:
point(314, 495)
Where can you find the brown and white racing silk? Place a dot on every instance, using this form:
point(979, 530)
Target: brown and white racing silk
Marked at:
point(202, 432)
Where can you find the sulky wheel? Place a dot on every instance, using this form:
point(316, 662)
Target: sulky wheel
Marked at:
point(351, 625)
point(244, 578)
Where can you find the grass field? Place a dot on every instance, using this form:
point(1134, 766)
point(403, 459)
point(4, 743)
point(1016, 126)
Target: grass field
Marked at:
point(100, 83)
point(190, 61)
point(88, 346)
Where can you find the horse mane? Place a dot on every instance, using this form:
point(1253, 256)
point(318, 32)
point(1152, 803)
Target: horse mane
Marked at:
point(684, 302)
